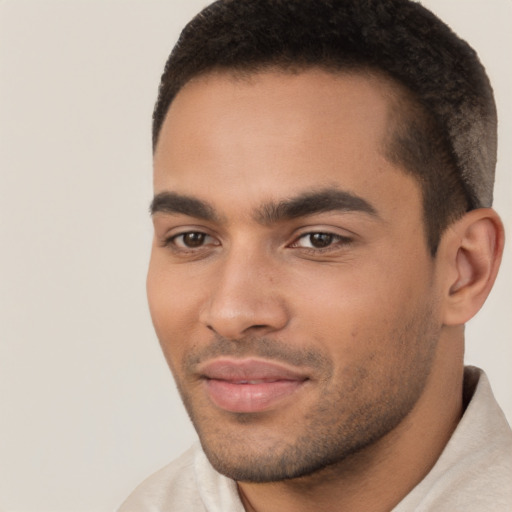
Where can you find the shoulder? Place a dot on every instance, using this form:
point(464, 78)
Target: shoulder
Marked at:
point(188, 484)
point(173, 487)
point(474, 472)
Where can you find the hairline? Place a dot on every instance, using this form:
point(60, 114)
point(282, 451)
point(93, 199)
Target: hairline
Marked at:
point(402, 104)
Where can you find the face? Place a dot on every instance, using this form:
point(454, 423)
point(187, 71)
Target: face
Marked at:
point(290, 284)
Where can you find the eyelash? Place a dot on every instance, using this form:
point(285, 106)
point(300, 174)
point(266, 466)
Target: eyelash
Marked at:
point(171, 241)
point(335, 242)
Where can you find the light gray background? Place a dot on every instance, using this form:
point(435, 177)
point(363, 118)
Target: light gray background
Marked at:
point(87, 405)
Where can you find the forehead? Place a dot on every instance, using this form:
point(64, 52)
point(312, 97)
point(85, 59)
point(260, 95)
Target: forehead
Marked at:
point(274, 134)
point(272, 98)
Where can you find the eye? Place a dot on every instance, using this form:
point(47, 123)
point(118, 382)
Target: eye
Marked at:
point(320, 240)
point(192, 240)
point(317, 240)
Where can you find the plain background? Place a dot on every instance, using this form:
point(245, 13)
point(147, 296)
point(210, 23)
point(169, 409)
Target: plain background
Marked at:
point(87, 405)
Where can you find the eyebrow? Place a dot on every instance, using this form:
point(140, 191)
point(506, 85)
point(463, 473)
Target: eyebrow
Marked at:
point(172, 203)
point(308, 203)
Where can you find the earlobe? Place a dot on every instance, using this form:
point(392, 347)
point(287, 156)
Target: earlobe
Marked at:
point(473, 249)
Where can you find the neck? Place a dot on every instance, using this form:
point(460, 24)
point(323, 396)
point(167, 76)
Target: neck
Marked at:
point(377, 478)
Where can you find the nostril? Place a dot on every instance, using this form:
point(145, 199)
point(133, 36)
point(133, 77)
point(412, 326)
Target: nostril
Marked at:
point(252, 327)
point(235, 319)
point(237, 332)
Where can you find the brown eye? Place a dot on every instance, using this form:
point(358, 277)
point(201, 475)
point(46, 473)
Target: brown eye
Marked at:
point(192, 240)
point(320, 240)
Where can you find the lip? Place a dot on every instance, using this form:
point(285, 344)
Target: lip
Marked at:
point(250, 385)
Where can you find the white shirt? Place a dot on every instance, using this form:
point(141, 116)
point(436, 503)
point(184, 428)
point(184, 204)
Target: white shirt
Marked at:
point(473, 473)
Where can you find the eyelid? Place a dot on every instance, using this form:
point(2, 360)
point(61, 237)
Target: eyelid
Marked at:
point(167, 238)
point(173, 239)
point(328, 229)
point(340, 241)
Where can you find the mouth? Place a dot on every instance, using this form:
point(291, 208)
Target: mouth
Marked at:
point(250, 385)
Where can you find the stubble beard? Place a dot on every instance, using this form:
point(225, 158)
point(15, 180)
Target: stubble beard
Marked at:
point(348, 420)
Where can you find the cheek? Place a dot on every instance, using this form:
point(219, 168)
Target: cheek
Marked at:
point(172, 303)
point(354, 309)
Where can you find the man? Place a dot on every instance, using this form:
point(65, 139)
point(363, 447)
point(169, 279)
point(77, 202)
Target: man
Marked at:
point(323, 174)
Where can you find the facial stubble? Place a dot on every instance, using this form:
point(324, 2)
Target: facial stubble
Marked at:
point(350, 415)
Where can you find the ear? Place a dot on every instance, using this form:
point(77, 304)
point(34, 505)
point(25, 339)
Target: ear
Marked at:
point(471, 250)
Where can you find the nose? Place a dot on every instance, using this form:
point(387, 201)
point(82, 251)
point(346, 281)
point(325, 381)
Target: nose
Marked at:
point(244, 298)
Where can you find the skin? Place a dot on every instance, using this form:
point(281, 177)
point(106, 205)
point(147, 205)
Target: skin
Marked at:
point(372, 320)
